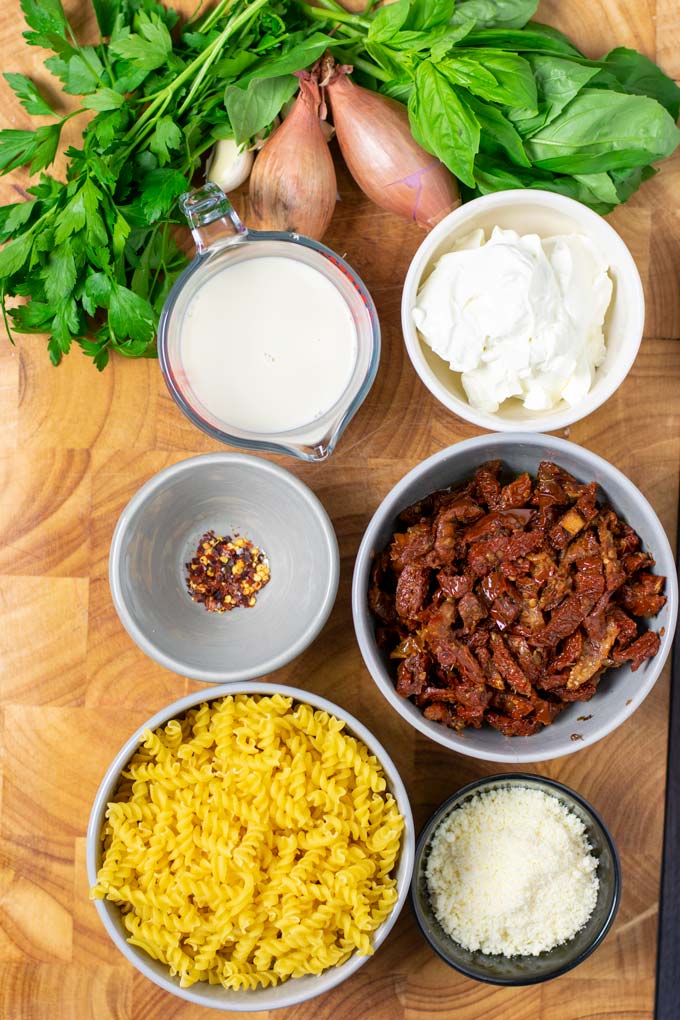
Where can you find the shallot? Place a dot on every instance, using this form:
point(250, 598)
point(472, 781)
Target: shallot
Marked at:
point(381, 154)
point(293, 185)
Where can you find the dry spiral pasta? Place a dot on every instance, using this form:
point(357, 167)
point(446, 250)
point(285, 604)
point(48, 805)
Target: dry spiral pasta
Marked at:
point(250, 841)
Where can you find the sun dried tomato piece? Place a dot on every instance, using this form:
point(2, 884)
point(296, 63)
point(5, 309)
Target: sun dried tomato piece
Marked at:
point(411, 546)
point(486, 554)
point(412, 590)
point(471, 611)
point(566, 618)
point(441, 713)
point(516, 493)
point(626, 626)
point(512, 705)
point(507, 667)
point(583, 693)
point(645, 647)
point(637, 561)
point(642, 597)
point(487, 487)
point(412, 674)
point(382, 605)
point(455, 585)
point(513, 727)
point(591, 661)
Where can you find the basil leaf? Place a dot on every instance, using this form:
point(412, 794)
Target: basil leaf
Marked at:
point(558, 81)
point(496, 13)
point(640, 76)
point(305, 49)
point(602, 130)
point(424, 15)
point(493, 75)
point(252, 109)
point(498, 134)
point(446, 42)
point(443, 123)
point(531, 40)
point(399, 89)
point(627, 182)
point(388, 21)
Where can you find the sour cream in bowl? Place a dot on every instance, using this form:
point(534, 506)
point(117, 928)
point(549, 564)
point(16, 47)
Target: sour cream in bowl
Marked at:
point(522, 309)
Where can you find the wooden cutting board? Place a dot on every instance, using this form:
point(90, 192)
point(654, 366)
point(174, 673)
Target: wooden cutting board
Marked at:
point(75, 446)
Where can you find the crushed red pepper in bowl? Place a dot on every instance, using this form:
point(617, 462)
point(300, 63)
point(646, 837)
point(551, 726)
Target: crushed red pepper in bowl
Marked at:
point(226, 572)
point(503, 603)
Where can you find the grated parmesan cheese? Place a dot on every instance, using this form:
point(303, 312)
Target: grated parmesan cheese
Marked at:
point(511, 872)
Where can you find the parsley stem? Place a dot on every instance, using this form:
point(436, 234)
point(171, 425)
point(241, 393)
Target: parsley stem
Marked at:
point(214, 15)
point(326, 14)
point(208, 54)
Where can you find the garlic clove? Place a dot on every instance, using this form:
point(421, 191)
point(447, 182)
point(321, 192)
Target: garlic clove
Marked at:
point(228, 167)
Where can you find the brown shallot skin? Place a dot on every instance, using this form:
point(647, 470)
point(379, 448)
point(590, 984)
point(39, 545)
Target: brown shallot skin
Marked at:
point(384, 159)
point(293, 185)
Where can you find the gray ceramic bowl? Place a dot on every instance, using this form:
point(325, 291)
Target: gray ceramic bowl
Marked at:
point(620, 692)
point(295, 989)
point(157, 535)
point(522, 970)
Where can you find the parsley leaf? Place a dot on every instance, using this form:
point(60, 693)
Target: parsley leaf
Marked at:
point(103, 99)
point(150, 48)
point(160, 190)
point(131, 316)
point(167, 135)
point(28, 95)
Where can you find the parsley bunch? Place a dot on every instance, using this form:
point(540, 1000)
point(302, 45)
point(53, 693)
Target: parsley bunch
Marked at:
point(95, 256)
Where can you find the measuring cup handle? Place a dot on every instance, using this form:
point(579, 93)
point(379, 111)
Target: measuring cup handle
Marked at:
point(206, 206)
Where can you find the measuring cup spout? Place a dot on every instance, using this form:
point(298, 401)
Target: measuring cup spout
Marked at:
point(211, 216)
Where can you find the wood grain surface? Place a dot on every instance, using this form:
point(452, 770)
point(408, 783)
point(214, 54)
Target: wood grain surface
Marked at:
point(75, 446)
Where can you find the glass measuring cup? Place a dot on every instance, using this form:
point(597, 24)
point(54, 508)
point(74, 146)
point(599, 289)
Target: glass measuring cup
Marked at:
point(222, 240)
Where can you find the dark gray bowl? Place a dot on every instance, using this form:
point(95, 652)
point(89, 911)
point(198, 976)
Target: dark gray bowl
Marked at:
point(522, 970)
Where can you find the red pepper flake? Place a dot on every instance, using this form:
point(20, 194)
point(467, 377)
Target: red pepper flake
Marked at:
point(226, 572)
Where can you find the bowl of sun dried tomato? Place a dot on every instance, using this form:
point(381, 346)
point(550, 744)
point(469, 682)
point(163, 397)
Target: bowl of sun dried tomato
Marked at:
point(515, 597)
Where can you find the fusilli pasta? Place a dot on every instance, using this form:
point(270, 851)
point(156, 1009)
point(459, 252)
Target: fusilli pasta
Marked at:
point(251, 841)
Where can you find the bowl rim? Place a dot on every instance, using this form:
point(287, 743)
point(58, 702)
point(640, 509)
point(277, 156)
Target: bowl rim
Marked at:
point(517, 779)
point(541, 422)
point(363, 628)
point(225, 675)
point(335, 975)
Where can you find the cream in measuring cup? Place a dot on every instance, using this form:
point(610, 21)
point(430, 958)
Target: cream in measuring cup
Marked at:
point(268, 340)
point(268, 344)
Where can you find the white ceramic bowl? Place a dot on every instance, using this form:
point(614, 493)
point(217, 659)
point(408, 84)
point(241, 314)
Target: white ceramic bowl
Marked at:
point(157, 534)
point(620, 691)
point(295, 989)
point(543, 213)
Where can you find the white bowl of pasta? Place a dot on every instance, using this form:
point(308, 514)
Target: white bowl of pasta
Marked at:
point(249, 849)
